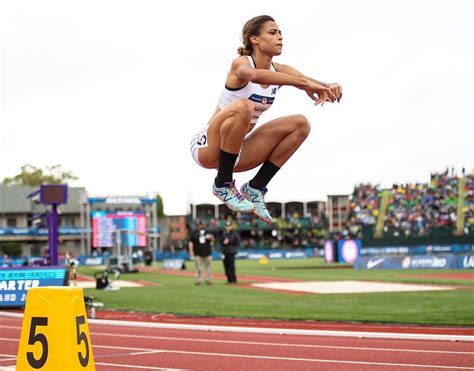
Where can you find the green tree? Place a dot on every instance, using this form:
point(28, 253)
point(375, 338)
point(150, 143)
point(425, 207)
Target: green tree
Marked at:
point(12, 249)
point(33, 176)
point(159, 207)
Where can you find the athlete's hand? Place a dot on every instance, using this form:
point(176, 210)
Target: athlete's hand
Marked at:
point(324, 98)
point(336, 89)
point(319, 93)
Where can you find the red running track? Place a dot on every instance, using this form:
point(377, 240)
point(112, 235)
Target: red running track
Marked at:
point(130, 347)
point(281, 324)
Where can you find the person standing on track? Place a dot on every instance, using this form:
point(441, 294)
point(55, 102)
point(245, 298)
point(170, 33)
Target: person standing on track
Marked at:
point(232, 142)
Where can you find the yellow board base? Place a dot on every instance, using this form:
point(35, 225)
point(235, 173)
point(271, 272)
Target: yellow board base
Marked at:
point(55, 333)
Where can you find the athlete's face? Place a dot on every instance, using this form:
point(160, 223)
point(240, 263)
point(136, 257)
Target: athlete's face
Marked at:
point(270, 40)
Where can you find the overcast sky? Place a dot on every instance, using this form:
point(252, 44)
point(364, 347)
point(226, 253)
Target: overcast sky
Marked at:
point(114, 90)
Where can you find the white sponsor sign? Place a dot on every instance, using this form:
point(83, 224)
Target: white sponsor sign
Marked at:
point(373, 263)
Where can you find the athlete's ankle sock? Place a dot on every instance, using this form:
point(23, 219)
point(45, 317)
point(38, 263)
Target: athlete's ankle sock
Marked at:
point(226, 168)
point(264, 175)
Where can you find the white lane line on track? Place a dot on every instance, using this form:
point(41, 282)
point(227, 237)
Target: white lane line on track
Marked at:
point(269, 358)
point(252, 323)
point(140, 367)
point(280, 344)
point(13, 358)
point(148, 352)
point(270, 344)
point(283, 331)
point(266, 330)
point(323, 360)
point(145, 350)
point(293, 359)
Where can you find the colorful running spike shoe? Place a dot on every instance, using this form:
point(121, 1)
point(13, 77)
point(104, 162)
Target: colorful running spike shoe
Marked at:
point(257, 198)
point(232, 198)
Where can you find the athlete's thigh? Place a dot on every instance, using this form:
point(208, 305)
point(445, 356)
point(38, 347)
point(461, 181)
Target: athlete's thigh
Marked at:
point(209, 156)
point(261, 142)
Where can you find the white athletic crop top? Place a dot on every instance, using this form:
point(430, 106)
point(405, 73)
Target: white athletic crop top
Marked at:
point(262, 98)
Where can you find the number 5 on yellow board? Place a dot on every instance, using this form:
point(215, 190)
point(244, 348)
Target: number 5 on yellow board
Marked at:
point(55, 333)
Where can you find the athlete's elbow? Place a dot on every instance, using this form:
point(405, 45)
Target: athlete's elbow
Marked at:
point(253, 76)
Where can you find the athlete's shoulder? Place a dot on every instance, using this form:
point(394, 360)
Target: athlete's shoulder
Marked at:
point(241, 60)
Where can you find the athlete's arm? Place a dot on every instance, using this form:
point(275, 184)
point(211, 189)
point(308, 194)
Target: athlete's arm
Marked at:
point(241, 73)
point(335, 88)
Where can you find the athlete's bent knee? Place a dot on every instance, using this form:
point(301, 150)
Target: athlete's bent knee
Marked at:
point(244, 109)
point(209, 163)
point(302, 125)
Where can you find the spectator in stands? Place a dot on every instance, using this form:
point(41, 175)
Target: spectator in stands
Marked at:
point(231, 142)
point(364, 209)
point(201, 251)
point(230, 241)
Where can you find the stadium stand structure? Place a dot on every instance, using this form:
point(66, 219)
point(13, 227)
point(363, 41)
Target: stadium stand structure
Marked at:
point(296, 224)
point(441, 211)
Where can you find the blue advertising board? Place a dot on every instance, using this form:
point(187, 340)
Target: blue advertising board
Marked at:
point(14, 282)
point(438, 261)
point(91, 260)
point(348, 250)
point(251, 254)
point(33, 231)
point(417, 250)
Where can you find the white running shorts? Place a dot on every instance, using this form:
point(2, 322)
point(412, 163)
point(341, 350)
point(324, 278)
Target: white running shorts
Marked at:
point(199, 140)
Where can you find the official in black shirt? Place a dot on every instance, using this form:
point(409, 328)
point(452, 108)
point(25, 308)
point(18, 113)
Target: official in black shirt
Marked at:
point(230, 241)
point(200, 249)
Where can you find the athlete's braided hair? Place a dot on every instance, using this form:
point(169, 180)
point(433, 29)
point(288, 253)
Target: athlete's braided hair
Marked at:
point(252, 28)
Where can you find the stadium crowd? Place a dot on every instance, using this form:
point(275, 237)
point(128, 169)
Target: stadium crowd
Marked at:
point(364, 209)
point(413, 209)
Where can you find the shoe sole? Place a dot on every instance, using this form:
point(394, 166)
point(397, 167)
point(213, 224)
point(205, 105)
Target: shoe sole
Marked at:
point(266, 221)
point(237, 211)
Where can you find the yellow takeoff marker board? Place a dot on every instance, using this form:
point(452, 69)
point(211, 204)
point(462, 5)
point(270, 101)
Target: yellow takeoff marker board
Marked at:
point(54, 333)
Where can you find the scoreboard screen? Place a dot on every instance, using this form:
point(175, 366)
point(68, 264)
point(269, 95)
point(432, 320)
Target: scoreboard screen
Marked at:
point(127, 227)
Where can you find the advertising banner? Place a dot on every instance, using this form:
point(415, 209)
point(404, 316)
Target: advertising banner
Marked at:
point(252, 254)
point(14, 282)
point(458, 261)
point(348, 251)
point(417, 250)
point(330, 253)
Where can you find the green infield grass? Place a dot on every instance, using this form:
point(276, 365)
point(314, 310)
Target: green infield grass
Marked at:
point(178, 295)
